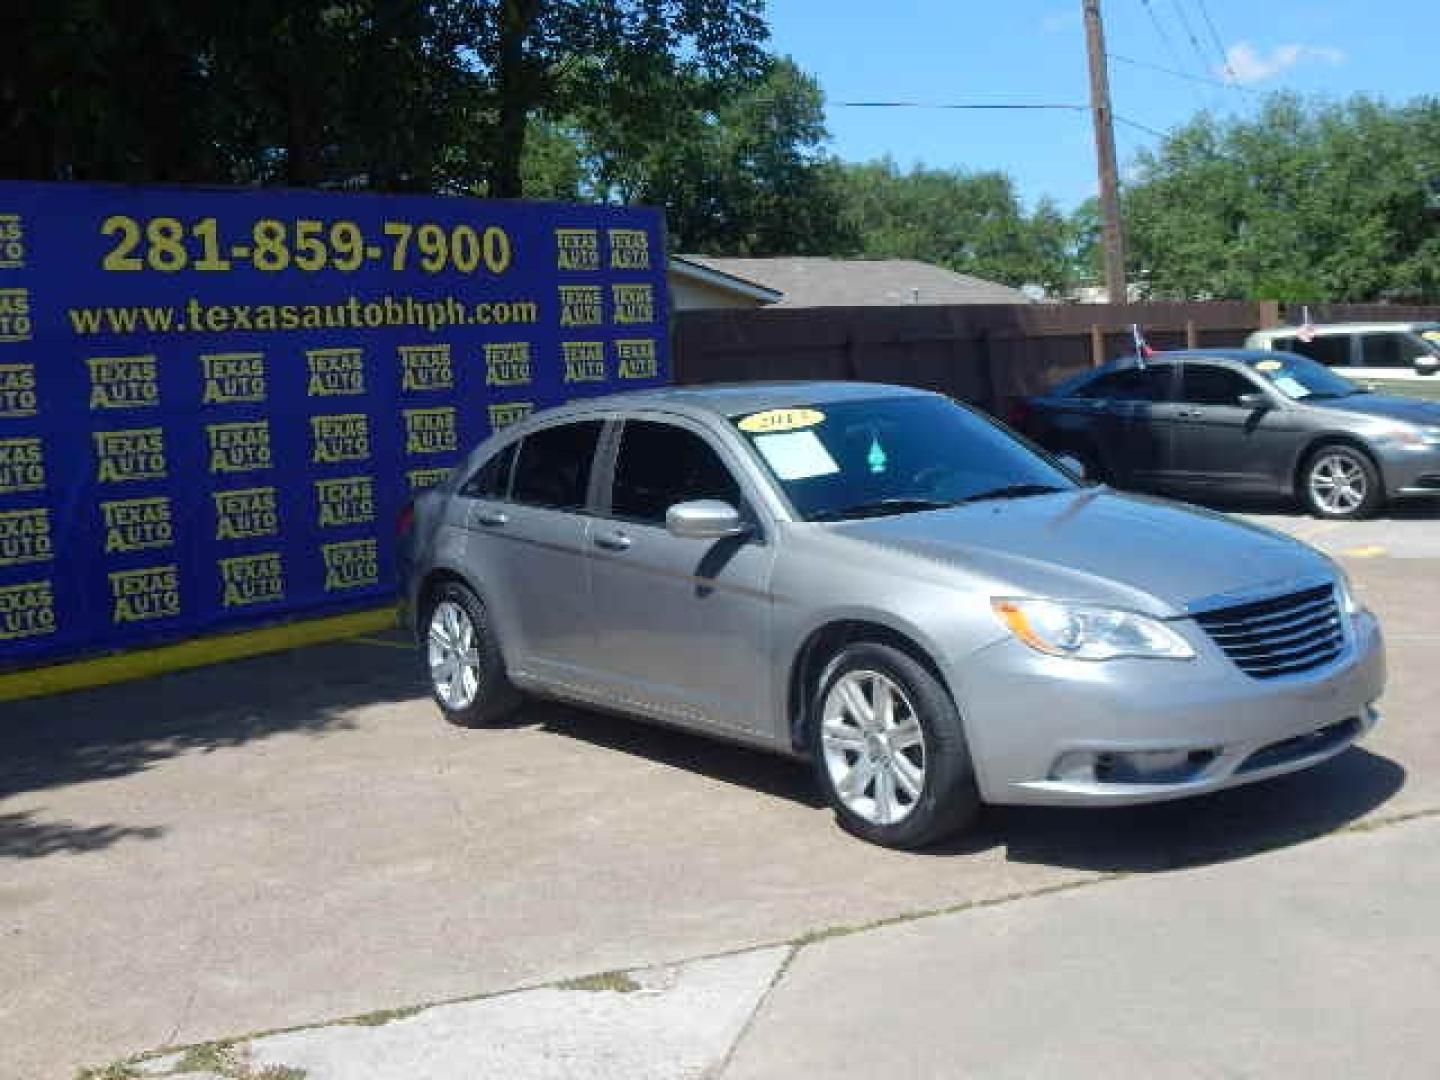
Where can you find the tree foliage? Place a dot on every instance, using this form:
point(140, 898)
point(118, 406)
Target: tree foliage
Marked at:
point(970, 222)
point(1302, 202)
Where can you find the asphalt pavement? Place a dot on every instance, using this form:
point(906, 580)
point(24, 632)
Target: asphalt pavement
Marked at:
point(289, 841)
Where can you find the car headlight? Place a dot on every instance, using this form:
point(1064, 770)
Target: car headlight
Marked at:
point(1082, 632)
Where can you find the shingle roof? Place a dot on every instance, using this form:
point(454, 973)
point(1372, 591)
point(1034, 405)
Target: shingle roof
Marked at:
point(818, 281)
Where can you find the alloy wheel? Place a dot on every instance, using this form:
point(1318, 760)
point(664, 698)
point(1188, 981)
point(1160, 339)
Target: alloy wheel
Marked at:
point(874, 747)
point(454, 655)
point(1338, 484)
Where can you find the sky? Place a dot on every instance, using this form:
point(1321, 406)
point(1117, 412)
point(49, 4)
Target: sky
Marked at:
point(1033, 51)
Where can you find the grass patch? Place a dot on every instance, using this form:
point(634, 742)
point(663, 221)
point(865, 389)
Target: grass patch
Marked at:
point(384, 1016)
point(216, 1057)
point(615, 982)
point(120, 1070)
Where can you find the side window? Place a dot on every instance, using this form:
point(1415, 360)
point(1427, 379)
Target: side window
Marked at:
point(1206, 384)
point(1150, 383)
point(1332, 350)
point(660, 465)
point(1385, 350)
point(553, 466)
point(492, 480)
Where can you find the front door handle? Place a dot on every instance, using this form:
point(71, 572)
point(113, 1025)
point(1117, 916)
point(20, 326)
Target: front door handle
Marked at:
point(492, 518)
point(1188, 414)
point(612, 541)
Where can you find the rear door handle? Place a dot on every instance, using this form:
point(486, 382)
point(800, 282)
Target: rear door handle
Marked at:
point(1188, 414)
point(612, 541)
point(492, 518)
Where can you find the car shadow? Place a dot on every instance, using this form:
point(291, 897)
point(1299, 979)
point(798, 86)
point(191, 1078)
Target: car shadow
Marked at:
point(114, 731)
point(1224, 826)
point(1221, 827)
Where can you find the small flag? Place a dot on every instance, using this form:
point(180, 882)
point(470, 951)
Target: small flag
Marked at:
point(1307, 328)
point(1142, 347)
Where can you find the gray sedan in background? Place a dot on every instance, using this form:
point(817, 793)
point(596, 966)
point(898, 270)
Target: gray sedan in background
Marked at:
point(890, 585)
point(1242, 422)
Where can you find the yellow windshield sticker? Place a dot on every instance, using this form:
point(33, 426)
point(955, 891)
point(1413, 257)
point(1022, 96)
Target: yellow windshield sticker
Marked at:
point(773, 420)
point(1269, 365)
point(1431, 335)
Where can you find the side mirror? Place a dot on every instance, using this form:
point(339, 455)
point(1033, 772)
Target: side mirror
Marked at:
point(1428, 364)
point(1072, 464)
point(704, 519)
point(1255, 400)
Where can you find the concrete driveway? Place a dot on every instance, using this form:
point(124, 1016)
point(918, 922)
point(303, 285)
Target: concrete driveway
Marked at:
point(292, 839)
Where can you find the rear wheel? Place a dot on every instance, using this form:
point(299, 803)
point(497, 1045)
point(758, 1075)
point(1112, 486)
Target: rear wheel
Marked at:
point(888, 749)
point(1341, 482)
point(463, 661)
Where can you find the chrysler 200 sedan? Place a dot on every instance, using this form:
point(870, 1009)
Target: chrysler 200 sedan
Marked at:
point(888, 584)
point(1243, 421)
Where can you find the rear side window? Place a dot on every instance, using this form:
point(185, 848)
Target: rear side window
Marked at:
point(660, 465)
point(1150, 383)
point(492, 480)
point(1386, 350)
point(553, 466)
point(1206, 384)
point(1332, 350)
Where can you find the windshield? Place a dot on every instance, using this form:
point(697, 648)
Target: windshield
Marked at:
point(1429, 337)
point(1298, 377)
point(895, 455)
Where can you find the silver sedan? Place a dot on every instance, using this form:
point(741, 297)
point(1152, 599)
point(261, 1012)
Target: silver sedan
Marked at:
point(891, 586)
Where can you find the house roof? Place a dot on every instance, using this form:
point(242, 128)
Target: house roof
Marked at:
point(819, 281)
point(688, 266)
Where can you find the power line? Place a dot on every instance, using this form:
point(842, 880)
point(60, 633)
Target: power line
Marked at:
point(957, 105)
point(1189, 32)
point(1180, 74)
point(1163, 34)
point(1219, 44)
point(966, 105)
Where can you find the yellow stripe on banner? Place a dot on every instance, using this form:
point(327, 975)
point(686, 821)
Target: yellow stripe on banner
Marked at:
point(123, 667)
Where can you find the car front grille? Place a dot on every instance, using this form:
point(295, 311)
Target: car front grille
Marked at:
point(1282, 636)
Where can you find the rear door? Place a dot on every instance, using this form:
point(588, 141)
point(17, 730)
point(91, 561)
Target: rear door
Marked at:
point(1218, 442)
point(1332, 350)
point(528, 547)
point(1127, 416)
point(683, 625)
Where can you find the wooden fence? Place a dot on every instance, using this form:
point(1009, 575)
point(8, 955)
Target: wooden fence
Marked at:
point(986, 354)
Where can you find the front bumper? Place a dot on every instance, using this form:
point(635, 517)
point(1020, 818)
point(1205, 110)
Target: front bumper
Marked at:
point(1410, 470)
point(1050, 731)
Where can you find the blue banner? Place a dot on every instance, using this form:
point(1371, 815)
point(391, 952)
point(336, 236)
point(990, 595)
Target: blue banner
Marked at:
point(213, 403)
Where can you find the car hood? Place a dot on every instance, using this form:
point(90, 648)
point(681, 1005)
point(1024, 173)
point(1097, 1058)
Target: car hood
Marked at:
point(1099, 546)
point(1390, 406)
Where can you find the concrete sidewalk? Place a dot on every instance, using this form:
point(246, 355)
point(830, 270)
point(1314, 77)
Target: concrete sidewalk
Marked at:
point(1320, 960)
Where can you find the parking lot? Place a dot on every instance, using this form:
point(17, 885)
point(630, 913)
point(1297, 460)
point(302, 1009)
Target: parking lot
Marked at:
point(298, 838)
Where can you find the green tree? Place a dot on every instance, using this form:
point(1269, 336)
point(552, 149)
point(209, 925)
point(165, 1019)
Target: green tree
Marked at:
point(973, 223)
point(1306, 201)
point(622, 57)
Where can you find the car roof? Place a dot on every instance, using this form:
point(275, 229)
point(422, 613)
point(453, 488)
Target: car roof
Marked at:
point(738, 399)
point(1171, 356)
point(1344, 328)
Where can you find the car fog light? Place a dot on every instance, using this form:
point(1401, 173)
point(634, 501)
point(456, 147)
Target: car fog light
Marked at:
point(1132, 767)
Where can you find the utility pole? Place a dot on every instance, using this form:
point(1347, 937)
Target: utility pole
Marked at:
point(1114, 234)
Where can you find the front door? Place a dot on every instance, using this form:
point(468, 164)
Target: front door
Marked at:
point(1220, 444)
point(682, 625)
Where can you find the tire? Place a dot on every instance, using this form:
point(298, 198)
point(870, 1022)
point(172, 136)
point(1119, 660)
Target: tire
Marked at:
point(462, 659)
point(1340, 482)
point(890, 808)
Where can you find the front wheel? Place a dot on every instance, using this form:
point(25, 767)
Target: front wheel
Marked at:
point(1340, 482)
point(888, 749)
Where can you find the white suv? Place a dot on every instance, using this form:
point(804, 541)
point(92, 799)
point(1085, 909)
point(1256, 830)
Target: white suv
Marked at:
point(1399, 351)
